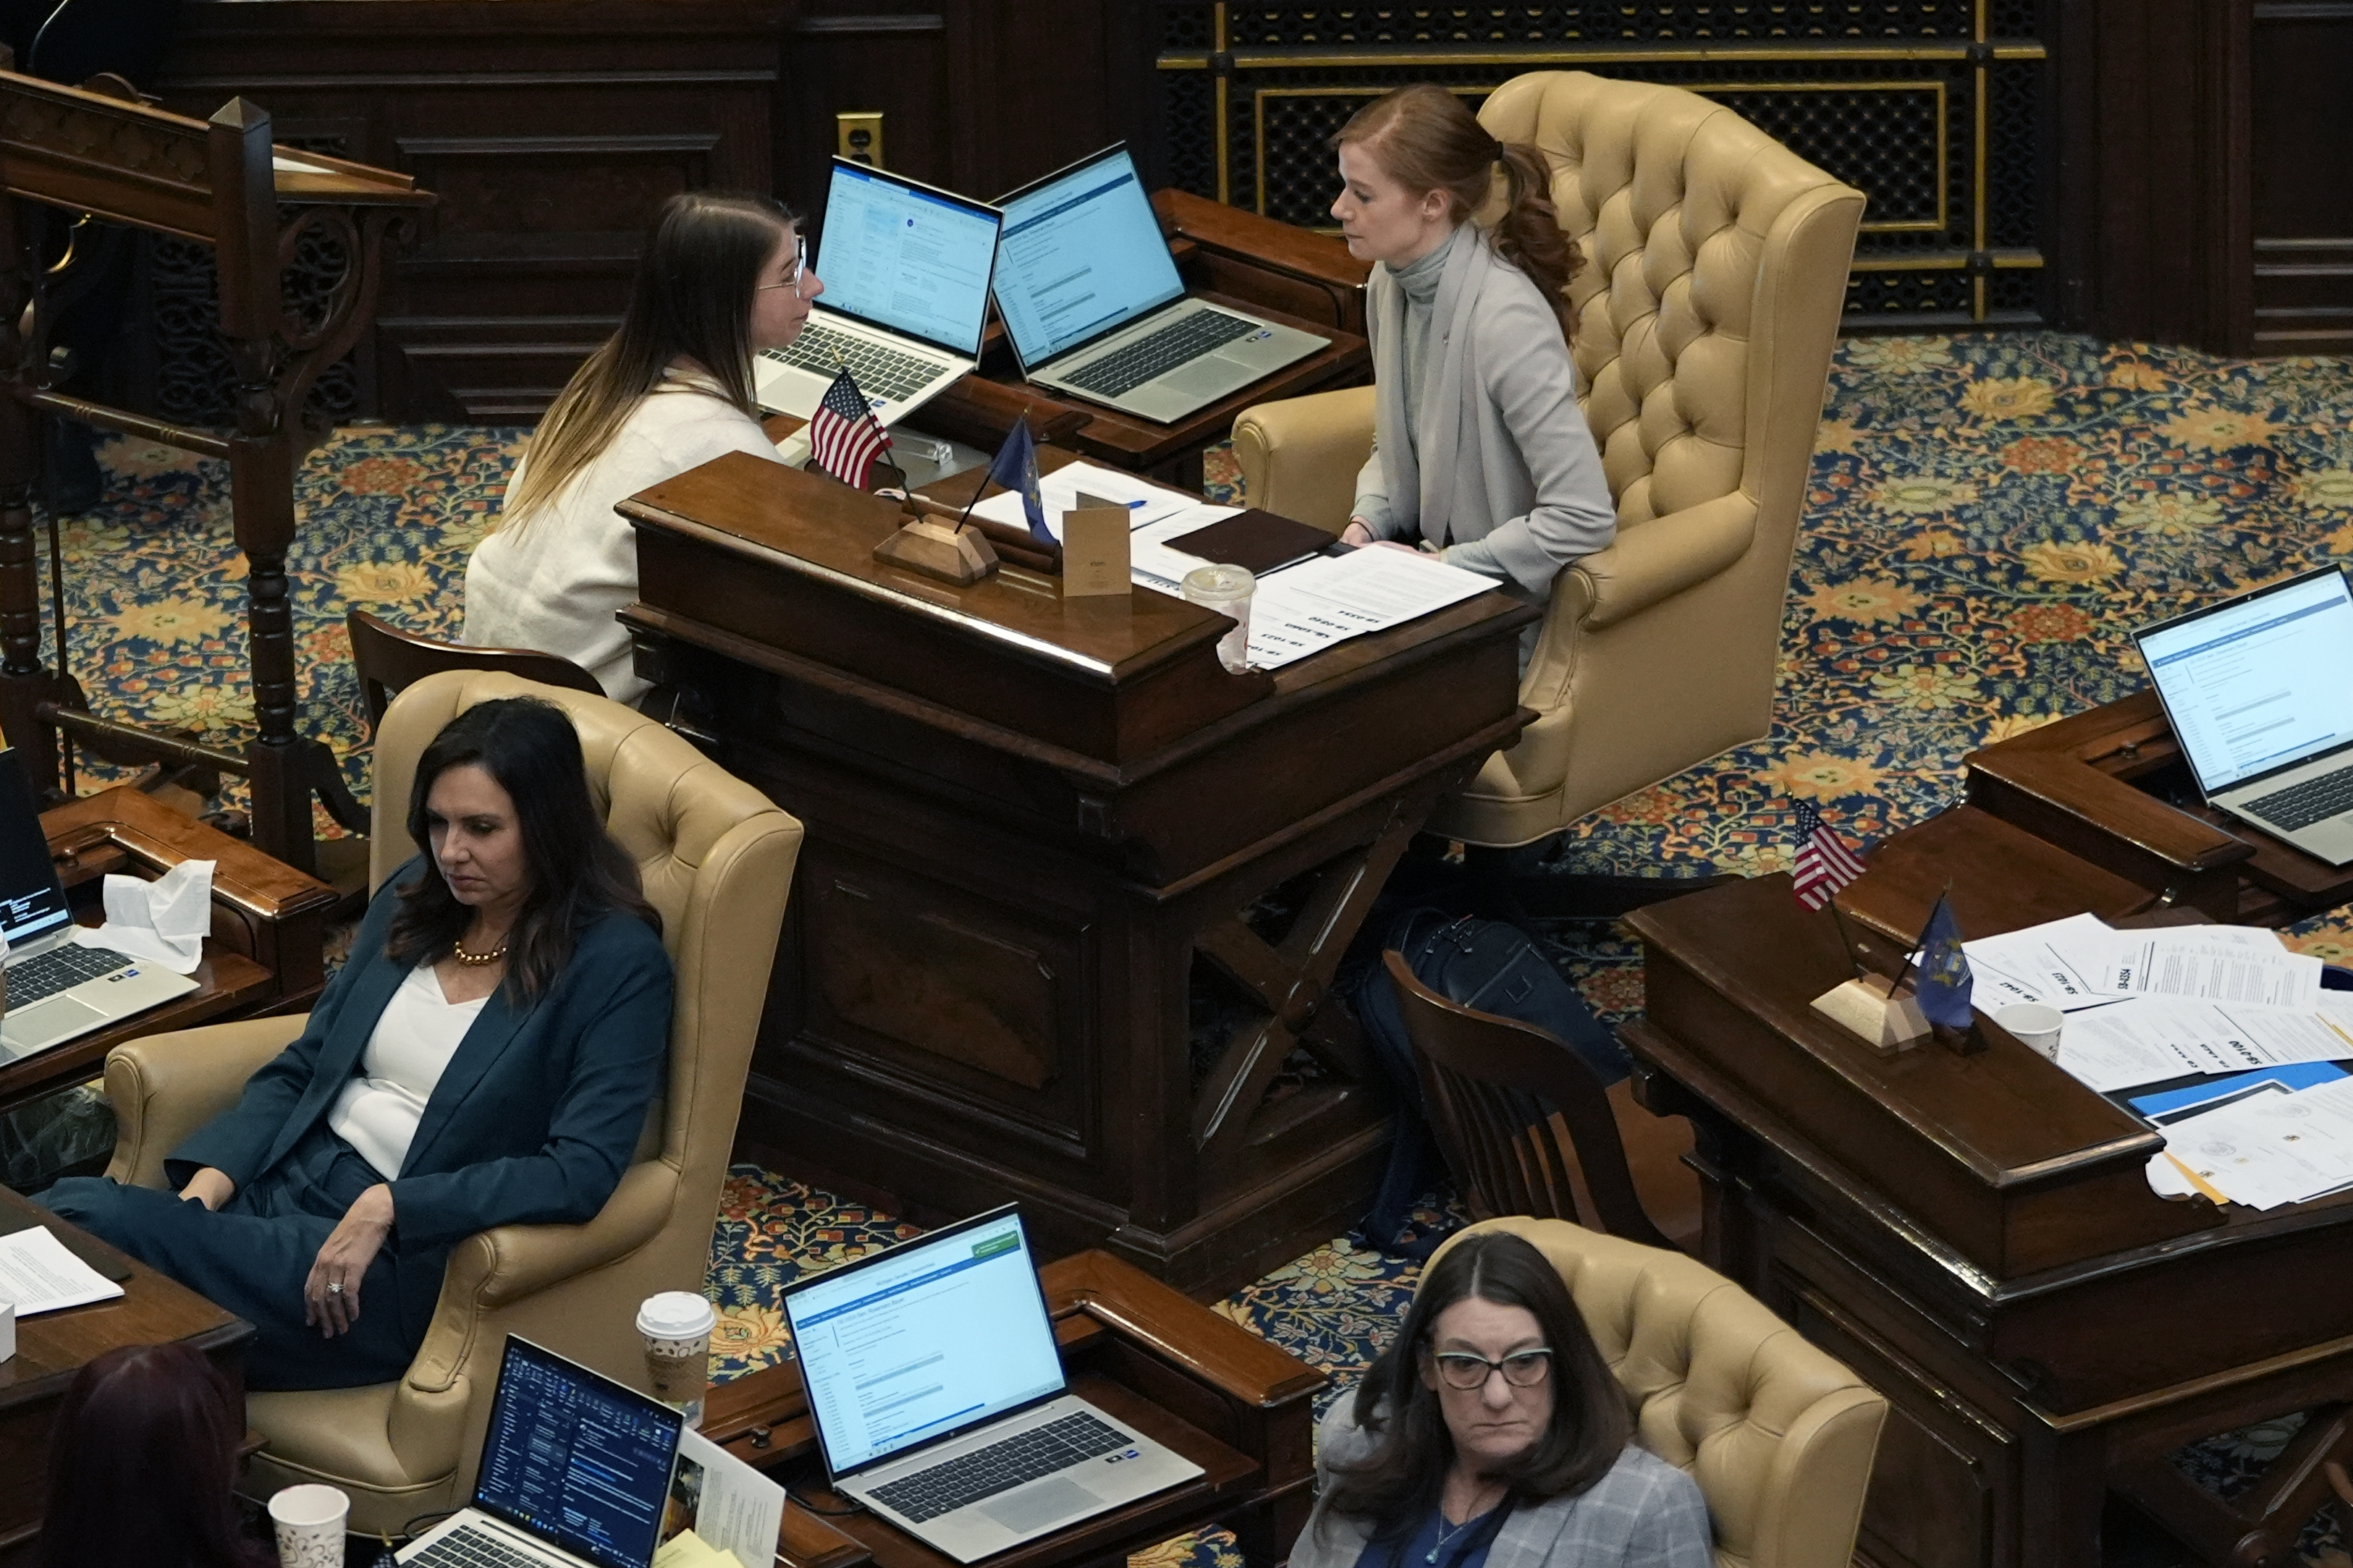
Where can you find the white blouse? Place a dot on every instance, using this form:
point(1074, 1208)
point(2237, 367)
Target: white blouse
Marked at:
point(556, 582)
point(378, 1111)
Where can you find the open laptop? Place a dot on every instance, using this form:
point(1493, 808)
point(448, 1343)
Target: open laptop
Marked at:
point(939, 1401)
point(575, 1469)
point(1094, 305)
point(2260, 692)
point(58, 991)
point(906, 293)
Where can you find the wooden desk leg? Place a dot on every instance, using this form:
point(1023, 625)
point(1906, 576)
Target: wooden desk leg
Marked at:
point(1291, 979)
point(2064, 1494)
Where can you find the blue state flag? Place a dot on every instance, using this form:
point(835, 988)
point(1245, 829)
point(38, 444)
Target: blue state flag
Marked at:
point(1015, 468)
point(1944, 983)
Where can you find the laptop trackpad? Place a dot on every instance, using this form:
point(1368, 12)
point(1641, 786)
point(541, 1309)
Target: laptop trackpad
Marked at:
point(1036, 1507)
point(46, 1022)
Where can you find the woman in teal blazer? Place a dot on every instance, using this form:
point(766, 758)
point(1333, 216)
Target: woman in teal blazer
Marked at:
point(485, 1057)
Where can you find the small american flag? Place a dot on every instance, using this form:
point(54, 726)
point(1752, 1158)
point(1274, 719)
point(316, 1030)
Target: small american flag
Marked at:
point(1824, 863)
point(844, 436)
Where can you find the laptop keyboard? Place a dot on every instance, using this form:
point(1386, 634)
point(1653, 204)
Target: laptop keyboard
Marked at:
point(1161, 353)
point(471, 1548)
point(1000, 1467)
point(61, 969)
point(880, 371)
point(2299, 805)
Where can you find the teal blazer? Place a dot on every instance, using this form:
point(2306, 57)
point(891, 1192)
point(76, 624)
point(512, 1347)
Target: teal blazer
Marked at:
point(533, 1121)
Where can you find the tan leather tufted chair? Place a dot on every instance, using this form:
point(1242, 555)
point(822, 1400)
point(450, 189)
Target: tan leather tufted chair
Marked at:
point(1715, 270)
point(1778, 1435)
point(717, 860)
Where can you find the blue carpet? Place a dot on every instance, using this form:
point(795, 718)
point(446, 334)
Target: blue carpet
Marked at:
point(1987, 518)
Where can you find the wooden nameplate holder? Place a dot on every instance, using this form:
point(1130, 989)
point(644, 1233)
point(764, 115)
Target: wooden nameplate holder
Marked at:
point(1864, 1007)
point(944, 543)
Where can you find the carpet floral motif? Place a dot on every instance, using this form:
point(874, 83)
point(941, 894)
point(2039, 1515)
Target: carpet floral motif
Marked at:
point(1987, 518)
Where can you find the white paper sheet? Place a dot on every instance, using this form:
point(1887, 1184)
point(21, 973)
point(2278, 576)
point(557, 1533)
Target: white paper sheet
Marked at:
point(38, 1275)
point(2179, 961)
point(2124, 1046)
point(1059, 490)
point(2058, 963)
point(2271, 1150)
point(1306, 608)
point(734, 1507)
point(164, 920)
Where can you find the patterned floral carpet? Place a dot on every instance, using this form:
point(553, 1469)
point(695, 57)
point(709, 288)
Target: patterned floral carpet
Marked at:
point(1989, 517)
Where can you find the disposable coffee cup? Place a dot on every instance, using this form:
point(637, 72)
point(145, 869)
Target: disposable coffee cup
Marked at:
point(1227, 590)
point(677, 1327)
point(310, 1523)
point(2034, 1025)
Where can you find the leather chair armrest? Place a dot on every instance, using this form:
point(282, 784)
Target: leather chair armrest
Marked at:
point(1300, 457)
point(499, 1268)
point(1659, 559)
point(164, 1087)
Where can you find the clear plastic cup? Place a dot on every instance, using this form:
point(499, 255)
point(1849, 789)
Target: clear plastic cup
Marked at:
point(309, 1521)
point(1227, 590)
point(677, 1327)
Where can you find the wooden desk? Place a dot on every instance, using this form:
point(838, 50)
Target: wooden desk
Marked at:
point(1229, 257)
point(264, 954)
point(1974, 1236)
point(2110, 785)
point(1231, 1403)
point(1072, 895)
point(51, 1348)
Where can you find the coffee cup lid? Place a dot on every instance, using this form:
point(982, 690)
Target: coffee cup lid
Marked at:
point(676, 1315)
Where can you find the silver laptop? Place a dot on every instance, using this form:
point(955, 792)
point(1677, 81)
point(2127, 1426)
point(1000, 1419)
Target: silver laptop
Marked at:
point(57, 990)
point(1094, 305)
point(576, 1470)
point(939, 1401)
point(2260, 692)
point(907, 294)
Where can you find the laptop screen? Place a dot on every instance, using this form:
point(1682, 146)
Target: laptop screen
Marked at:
point(2258, 683)
point(899, 255)
point(576, 1459)
point(32, 900)
point(922, 1341)
point(1082, 256)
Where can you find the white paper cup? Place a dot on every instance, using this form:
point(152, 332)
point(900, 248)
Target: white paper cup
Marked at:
point(677, 1327)
point(2035, 1025)
point(309, 1521)
point(1227, 590)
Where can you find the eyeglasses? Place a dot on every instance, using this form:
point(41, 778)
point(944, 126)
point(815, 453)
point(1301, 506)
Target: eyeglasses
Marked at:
point(800, 274)
point(1521, 1369)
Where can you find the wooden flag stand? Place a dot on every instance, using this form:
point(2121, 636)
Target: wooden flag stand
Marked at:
point(1868, 1007)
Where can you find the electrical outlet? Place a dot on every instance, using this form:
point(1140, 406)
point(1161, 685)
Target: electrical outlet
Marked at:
point(858, 137)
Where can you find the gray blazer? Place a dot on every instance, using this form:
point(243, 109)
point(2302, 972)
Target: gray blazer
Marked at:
point(1645, 1513)
point(1503, 452)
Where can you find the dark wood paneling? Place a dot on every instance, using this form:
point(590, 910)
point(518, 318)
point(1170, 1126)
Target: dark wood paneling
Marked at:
point(551, 129)
point(2301, 141)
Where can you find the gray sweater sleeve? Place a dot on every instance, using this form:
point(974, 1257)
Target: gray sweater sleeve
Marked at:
point(1372, 502)
point(1533, 387)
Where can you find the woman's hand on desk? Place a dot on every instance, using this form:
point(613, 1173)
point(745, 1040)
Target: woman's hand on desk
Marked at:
point(331, 1296)
point(1356, 532)
point(210, 1187)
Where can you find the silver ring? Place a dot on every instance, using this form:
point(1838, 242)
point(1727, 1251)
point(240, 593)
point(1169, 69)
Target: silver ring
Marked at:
point(334, 1288)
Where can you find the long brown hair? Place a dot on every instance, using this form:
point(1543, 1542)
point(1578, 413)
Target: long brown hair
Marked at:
point(692, 298)
point(1426, 139)
point(142, 1463)
point(578, 873)
point(1396, 1484)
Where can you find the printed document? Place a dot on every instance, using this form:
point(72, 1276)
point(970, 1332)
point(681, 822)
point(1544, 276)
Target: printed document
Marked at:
point(1306, 608)
point(730, 1505)
point(38, 1275)
point(2270, 1149)
point(1146, 501)
point(2190, 961)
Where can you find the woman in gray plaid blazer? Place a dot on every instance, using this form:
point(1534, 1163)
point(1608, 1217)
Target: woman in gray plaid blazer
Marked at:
point(1491, 1435)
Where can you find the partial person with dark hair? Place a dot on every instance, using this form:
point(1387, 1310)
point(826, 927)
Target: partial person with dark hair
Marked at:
point(142, 1461)
point(1481, 450)
point(486, 1057)
point(722, 278)
point(1491, 1432)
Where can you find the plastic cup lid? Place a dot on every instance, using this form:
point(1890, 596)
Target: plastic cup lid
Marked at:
point(1227, 582)
point(676, 1315)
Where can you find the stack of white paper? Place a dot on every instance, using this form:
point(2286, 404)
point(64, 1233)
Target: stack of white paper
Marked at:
point(38, 1275)
point(2264, 1149)
point(1306, 608)
point(1058, 491)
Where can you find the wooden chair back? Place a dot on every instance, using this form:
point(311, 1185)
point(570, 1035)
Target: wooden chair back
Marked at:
point(389, 660)
point(1523, 1122)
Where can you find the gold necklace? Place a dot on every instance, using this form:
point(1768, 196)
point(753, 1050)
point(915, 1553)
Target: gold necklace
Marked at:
point(477, 960)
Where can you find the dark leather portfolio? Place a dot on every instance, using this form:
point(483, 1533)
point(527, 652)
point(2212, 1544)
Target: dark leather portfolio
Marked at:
point(1257, 541)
